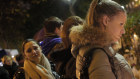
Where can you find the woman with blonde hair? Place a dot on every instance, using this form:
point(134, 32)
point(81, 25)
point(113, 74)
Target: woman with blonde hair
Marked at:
point(91, 43)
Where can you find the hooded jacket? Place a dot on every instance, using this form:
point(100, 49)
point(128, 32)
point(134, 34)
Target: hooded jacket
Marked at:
point(85, 38)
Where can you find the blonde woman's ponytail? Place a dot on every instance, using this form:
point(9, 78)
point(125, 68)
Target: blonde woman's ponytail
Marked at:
point(90, 14)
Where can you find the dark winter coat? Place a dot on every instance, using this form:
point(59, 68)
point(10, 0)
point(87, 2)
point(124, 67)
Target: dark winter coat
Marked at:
point(11, 69)
point(65, 63)
point(4, 73)
point(85, 38)
point(19, 74)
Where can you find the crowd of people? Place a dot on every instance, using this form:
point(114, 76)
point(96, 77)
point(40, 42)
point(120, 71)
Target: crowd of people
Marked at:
point(75, 48)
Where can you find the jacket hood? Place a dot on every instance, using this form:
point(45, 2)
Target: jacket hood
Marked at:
point(84, 35)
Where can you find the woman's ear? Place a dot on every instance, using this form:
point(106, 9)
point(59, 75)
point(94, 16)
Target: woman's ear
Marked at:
point(105, 20)
point(24, 55)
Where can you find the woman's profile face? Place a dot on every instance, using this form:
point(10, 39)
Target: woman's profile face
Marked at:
point(32, 52)
point(115, 26)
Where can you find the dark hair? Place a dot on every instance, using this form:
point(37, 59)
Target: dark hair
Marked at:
point(99, 8)
point(68, 24)
point(4, 73)
point(26, 41)
point(51, 23)
point(19, 57)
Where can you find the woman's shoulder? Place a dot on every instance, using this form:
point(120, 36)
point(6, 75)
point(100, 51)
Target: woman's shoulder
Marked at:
point(3, 73)
point(99, 52)
point(94, 52)
point(99, 55)
point(20, 73)
point(100, 64)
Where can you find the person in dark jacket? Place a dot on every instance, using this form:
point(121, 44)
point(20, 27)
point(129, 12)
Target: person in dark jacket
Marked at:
point(52, 40)
point(20, 60)
point(4, 73)
point(9, 65)
point(65, 62)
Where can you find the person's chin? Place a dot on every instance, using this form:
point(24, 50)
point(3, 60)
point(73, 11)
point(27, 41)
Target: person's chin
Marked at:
point(116, 40)
point(36, 61)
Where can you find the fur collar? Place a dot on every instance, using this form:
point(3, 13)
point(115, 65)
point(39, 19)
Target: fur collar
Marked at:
point(89, 35)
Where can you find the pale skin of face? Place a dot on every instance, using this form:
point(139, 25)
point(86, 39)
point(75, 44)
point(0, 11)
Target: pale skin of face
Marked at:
point(58, 30)
point(32, 52)
point(115, 25)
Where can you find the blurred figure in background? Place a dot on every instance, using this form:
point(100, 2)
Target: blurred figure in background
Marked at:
point(65, 62)
point(4, 73)
point(36, 65)
point(52, 32)
point(20, 60)
point(2, 53)
point(9, 65)
point(132, 61)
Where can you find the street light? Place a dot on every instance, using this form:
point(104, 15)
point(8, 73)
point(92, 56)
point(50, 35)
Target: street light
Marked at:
point(135, 37)
point(68, 0)
point(122, 7)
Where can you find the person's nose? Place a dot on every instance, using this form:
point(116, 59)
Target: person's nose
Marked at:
point(34, 52)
